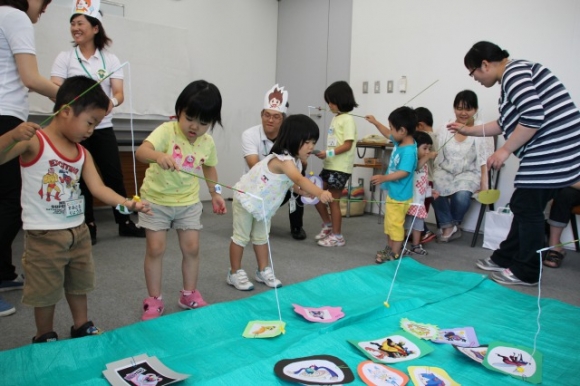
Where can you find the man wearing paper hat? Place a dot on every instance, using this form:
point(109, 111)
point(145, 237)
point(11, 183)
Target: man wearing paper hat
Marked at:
point(257, 142)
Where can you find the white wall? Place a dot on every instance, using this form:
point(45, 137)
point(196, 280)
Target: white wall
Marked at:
point(427, 40)
point(230, 43)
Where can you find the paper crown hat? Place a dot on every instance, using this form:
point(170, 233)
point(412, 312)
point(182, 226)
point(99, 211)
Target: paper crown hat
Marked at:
point(87, 8)
point(276, 99)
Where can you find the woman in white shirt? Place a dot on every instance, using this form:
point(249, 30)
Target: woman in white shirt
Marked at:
point(19, 74)
point(89, 57)
point(459, 169)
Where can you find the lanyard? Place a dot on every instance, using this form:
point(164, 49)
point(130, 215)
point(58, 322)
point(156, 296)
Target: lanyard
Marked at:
point(101, 72)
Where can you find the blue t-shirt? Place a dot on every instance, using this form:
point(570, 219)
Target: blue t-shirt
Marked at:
point(402, 158)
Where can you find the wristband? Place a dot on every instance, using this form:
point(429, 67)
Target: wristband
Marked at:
point(330, 153)
point(216, 189)
point(115, 102)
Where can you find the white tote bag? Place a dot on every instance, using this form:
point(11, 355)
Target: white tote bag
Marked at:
point(497, 227)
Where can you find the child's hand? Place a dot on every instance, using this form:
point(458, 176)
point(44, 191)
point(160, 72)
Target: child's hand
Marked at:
point(321, 154)
point(325, 197)
point(166, 162)
point(25, 131)
point(377, 179)
point(371, 119)
point(218, 204)
point(433, 154)
point(140, 206)
point(435, 194)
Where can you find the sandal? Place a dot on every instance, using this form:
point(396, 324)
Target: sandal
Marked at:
point(388, 256)
point(554, 258)
point(415, 249)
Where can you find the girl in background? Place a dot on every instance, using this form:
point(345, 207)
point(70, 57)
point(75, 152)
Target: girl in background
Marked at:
point(174, 195)
point(338, 160)
point(270, 179)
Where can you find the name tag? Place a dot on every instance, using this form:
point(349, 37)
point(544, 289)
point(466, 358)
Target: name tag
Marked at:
point(74, 207)
point(292, 203)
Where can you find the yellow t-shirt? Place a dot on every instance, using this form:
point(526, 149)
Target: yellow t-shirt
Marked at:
point(342, 128)
point(164, 187)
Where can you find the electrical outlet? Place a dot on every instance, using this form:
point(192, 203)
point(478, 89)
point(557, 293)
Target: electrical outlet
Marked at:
point(390, 86)
point(361, 181)
point(365, 87)
point(377, 87)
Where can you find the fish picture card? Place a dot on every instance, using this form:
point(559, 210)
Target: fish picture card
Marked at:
point(375, 374)
point(398, 347)
point(475, 353)
point(314, 370)
point(514, 360)
point(430, 376)
point(420, 330)
point(264, 329)
point(464, 337)
point(141, 370)
point(324, 314)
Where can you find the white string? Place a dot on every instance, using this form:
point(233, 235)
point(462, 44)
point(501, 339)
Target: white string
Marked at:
point(402, 250)
point(539, 303)
point(269, 253)
point(132, 129)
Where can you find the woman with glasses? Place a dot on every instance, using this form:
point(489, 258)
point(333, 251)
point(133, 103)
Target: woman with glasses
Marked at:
point(459, 168)
point(541, 126)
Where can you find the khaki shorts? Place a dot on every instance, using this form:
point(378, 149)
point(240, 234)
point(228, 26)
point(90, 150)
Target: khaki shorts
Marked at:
point(57, 262)
point(247, 228)
point(395, 212)
point(176, 217)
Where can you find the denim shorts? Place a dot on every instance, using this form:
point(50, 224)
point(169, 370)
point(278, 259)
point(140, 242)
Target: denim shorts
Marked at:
point(177, 217)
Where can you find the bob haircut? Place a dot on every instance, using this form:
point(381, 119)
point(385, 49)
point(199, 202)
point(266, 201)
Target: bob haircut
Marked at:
point(201, 100)
point(483, 51)
point(466, 99)
point(294, 132)
point(422, 138)
point(404, 117)
point(74, 86)
point(424, 115)
point(22, 4)
point(101, 39)
point(340, 94)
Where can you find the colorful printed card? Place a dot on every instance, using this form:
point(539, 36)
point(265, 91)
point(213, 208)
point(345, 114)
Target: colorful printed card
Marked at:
point(264, 329)
point(475, 353)
point(141, 370)
point(398, 347)
point(314, 370)
point(516, 361)
point(375, 374)
point(464, 337)
point(420, 330)
point(324, 314)
point(430, 376)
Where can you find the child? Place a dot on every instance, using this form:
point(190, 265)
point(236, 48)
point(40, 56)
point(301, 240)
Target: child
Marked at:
point(338, 160)
point(416, 215)
point(425, 124)
point(175, 151)
point(398, 180)
point(57, 248)
point(269, 179)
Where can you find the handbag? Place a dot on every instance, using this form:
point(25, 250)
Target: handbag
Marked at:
point(497, 227)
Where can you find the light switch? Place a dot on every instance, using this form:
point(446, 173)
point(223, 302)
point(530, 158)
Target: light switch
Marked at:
point(365, 87)
point(377, 87)
point(390, 86)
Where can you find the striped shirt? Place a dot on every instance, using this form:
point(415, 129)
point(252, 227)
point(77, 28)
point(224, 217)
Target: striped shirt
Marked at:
point(535, 98)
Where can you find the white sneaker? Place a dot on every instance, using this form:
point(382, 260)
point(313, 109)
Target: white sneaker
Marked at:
point(325, 231)
point(240, 280)
point(267, 277)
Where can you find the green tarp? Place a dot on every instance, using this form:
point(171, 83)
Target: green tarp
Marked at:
point(208, 343)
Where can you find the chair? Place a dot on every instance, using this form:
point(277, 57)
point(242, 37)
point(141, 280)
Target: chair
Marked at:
point(483, 208)
point(575, 211)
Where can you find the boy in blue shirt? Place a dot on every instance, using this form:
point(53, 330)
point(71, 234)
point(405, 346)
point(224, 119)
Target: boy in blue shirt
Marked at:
point(398, 180)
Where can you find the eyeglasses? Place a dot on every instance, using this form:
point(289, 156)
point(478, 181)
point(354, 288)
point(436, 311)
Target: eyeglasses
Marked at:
point(274, 117)
point(472, 71)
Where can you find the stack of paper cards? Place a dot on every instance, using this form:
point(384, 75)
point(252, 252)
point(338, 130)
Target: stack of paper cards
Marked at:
point(141, 370)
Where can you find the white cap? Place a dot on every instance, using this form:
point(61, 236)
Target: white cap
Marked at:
point(87, 8)
point(276, 99)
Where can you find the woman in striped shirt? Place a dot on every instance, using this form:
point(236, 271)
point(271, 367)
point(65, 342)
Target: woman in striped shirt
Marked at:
point(541, 126)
